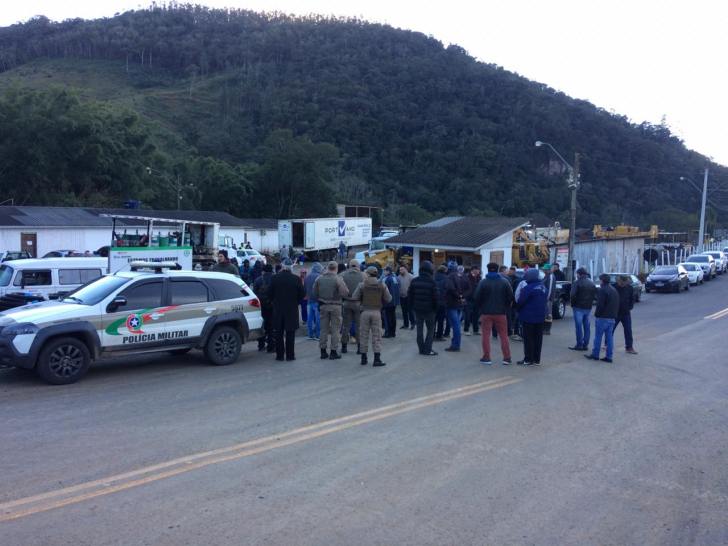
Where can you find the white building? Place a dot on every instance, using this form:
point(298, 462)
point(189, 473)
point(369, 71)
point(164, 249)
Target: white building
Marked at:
point(39, 230)
point(466, 240)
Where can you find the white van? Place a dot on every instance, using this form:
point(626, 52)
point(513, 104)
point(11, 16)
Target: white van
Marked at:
point(47, 277)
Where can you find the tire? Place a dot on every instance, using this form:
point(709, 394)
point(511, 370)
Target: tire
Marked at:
point(559, 309)
point(223, 346)
point(320, 256)
point(63, 361)
point(708, 279)
point(179, 352)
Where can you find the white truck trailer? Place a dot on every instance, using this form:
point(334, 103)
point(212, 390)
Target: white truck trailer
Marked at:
point(319, 238)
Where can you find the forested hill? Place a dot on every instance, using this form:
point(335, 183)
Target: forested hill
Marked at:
point(268, 114)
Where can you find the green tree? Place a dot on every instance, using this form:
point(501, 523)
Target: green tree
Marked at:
point(295, 178)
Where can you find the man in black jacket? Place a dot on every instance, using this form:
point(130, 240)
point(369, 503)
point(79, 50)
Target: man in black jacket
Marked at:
point(457, 290)
point(286, 292)
point(623, 286)
point(443, 326)
point(494, 298)
point(605, 316)
point(424, 298)
point(582, 297)
point(260, 289)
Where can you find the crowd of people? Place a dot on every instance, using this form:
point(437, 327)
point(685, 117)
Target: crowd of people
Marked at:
point(341, 305)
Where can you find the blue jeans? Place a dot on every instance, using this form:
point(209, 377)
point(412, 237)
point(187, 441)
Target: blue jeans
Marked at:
point(603, 327)
point(626, 321)
point(453, 318)
point(583, 328)
point(314, 315)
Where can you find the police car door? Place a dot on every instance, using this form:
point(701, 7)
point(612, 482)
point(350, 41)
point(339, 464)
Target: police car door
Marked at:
point(140, 321)
point(190, 307)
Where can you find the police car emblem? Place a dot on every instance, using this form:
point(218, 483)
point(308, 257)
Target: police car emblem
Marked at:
point(134, 323)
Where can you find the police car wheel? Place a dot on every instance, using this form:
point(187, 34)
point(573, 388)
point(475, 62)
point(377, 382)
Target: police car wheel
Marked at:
point(223, 346)
point(63, 361)
point(559, 309)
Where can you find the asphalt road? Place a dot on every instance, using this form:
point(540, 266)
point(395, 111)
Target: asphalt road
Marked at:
point(442, 450)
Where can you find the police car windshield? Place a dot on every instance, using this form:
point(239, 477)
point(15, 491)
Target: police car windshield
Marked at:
point(96, 290)
point(6, 274)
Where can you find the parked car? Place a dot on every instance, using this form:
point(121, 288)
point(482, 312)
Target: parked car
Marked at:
point(721, 262)
point(8, 255)
point(562, 297)
point(64, 254)
point(47, 278)
point(668, 278)
point(131, 313)
point(637, 286)
point(695, 272)
point(707, 263)
point(251, 255)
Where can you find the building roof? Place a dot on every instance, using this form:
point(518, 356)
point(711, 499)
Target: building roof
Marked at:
point(89, 217)
point(267, 224)
point(466, 232)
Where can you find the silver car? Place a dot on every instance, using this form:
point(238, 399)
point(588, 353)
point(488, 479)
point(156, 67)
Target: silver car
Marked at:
point(721, 262)
point(707, 263)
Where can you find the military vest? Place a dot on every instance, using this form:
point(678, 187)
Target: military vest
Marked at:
point(352, 278)
point(372, 294)
point(328, 289)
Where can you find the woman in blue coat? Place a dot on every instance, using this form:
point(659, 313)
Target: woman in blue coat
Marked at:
point(531, 306)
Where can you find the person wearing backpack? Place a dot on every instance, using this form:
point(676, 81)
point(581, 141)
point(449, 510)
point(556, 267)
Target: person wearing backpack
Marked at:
point(260, 288)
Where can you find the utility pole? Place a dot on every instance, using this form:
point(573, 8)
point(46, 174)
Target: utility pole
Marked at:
point(179, 197)
point(574, 183)
point(701, 236)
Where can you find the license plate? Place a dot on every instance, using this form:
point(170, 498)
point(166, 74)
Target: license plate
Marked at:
point(659, 284)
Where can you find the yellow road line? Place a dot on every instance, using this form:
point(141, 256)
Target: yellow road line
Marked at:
point(717, 315)
point(355, 420)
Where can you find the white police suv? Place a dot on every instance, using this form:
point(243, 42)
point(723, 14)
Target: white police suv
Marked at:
point(139, 311)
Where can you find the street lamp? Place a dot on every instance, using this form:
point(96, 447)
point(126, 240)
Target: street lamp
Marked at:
point(701, 232)
point(573, 185)
point(175, 185)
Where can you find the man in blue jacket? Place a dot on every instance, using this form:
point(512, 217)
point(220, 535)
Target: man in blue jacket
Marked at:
point(531, 306)
point(390, 308)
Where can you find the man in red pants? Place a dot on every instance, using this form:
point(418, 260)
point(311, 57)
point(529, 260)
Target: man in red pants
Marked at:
point(494, 297)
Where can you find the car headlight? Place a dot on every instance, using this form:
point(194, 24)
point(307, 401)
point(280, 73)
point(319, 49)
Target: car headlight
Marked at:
point(20, 329)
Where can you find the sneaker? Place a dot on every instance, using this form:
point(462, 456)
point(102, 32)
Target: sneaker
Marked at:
point(513, 337)
point(485, 361)
point(412, 327)
point(524, 363)
point(536, 363)
point(404, 327)
point(476, 333)
point(431, 353)
point(518, 338)
point(631, 351)
point(605, 359)
point(591, 357)
point(452, 349)
point(506, 361)
point(466, 333)
point(311, 338)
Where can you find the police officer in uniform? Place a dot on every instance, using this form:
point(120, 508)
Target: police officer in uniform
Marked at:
point(372, 293)
point(330, 288)
point(353, 277)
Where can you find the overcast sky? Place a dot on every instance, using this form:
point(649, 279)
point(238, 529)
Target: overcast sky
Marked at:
point(644, 59)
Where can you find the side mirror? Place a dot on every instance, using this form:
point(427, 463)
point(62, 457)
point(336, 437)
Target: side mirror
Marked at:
point(119, 301)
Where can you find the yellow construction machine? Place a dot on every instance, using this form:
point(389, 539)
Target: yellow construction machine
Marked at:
point(527, 251)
